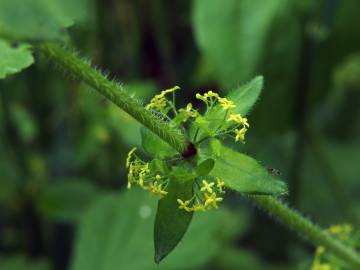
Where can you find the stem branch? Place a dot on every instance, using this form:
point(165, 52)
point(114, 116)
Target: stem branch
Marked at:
point(306, 228)
point(82, 70)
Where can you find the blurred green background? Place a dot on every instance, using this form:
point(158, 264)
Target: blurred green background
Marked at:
point(63, 204)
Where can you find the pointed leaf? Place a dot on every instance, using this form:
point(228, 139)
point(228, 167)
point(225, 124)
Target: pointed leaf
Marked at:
point(14, 59)
point(171, 223)
point(244, 174)
point(205, 167)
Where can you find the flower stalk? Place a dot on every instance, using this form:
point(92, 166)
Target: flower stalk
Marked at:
point(113, 91)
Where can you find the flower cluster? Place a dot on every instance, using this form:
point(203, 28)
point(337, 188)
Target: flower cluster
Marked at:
point(160, 102)
point(238, 124)
point(205, 198)
point(140, 174)
point(340, 231)
point(207, 192)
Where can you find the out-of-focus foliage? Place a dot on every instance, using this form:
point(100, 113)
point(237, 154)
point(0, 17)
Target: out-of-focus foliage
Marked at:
point(63, 148)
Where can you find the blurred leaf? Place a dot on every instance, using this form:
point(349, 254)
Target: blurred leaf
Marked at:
point(232, 33)
point(20, 262)
point(39, 19)
point(244, 174)
point(24, 122)
point(66, 199)
point(347, 75)
point(13, 58)
point(171, 223)
point(116, 233)
point(205, 167)
point(155, 146)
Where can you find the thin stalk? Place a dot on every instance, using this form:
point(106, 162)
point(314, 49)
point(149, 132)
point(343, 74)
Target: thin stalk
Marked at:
point(306, 228)
point(115, 93)
point(82, 70)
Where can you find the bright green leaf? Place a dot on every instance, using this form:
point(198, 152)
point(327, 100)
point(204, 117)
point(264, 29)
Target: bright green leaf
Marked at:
point(155, 146)
point(244, 174)
point(171, 223)
point(13, 58)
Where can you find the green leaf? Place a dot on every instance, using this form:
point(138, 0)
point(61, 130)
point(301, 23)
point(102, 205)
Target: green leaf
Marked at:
point(123, 226)
point(20, 262)
point(235, 53)
point(171, 223)
point(205, 167)
point(244, 97)
point(14, 58)
point(244, 174)
point(66, 200)
point(155, 146)
point(39, 19)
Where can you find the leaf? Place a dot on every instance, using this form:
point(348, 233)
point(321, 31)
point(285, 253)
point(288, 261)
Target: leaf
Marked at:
point(155, 146)
point(116, 233)
point(39, 19)
point(235, 53)
point(244, 174)
point(20, 262)
point(14, 58)
point(244, 97)
point(66, 199)
point(171, 223)
point(205, 167)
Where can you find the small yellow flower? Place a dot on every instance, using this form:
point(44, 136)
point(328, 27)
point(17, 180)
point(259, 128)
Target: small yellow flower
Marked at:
point(237, 118)
point(240, 134)
point(201, 97)
point(159, 101)
point(184, 205)
point(157, 177)
point(207, 186)
point(226, 104)
point(220, 185)
point(198, 207)
point(129, 156)
point(317, 265)
point(211, 94)
point(211, 200)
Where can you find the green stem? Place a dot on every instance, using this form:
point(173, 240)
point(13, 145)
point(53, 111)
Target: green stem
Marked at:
point(115, 93)
point(82, 69)
point(306, 228)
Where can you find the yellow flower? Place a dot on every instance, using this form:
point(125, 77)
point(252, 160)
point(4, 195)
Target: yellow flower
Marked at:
point(203, 98)
point(317, 265)
point(198, 207)
point(189, 111)
point(211, 94)
point(237, 118)
point(207, 186)
point(220, 185)
point(159, 101)
point(240, 134)
point(184, 205)
point(129, 156)
point(157, 177)
point(212, 200)
point(226, 104)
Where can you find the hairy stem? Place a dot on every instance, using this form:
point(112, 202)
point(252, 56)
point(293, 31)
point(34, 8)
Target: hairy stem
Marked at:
point(306, 228)
point(82, 70)
point(115, 93)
